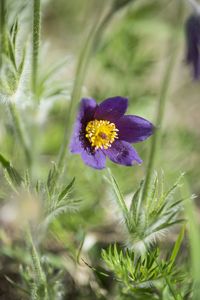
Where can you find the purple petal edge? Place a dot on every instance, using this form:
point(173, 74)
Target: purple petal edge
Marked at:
point(123, 153)
point(96, 160)
point(134, 129)
point(111, 109)
point(85, 114)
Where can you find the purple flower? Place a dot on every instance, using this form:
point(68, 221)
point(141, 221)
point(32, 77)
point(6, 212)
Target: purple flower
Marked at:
point(193, 43)
point(103, 130)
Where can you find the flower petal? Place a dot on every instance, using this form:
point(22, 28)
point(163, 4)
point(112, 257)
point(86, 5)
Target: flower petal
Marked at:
point(96, 159)
point(133, 129)
point(111, 109)
point(85, 114)
point(193, 42)
point(123, 153)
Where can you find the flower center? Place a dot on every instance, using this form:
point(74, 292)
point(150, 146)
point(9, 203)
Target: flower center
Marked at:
point(101, 134)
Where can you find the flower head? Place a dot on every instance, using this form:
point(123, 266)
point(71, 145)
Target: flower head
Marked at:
point(103, 130)
point(193, 43)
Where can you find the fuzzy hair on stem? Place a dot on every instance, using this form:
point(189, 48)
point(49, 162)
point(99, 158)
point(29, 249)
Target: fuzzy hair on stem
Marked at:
point(36, 41)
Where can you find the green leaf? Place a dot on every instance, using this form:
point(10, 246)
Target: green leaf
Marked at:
point(14, 31)
point(12, 172)
point(51, 178)
point(66, 190)
point(11, 52)
point(177, 246)
point(135, 208)
point(21, 65)
point(120, 198)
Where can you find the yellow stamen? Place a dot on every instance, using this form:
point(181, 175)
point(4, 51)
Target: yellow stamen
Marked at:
point(101, 134)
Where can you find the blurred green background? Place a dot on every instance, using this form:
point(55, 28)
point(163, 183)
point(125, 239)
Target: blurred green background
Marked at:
point(130, 61)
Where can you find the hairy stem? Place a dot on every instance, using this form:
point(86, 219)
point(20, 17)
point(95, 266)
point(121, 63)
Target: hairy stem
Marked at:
point(2, 30)
point(20, 134)
point(155, 142)
point(36, 42)
point(76, 92)
point(89, 47)
point(39, 290)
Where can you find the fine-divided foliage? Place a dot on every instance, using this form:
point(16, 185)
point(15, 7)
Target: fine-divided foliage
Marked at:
point(148, 219)
point(54, 199)
point(145, 276)
point(57, 202)
point(41, 281)
point(12, 64)
point(51, 200)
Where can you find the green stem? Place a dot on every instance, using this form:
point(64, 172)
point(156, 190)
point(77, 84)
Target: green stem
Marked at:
point(89, 47)
point(20, 133)
point(40, 289)
point(155, 142)
point(2, 30)
point(76, 92)
point(36, 42)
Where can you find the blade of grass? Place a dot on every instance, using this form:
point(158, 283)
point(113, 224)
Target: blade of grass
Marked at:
point(177, 246)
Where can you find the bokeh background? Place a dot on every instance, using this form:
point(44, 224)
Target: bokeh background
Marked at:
point(130, 60)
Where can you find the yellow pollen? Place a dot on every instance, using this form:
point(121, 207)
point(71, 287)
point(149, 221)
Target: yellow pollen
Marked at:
point(101, 134)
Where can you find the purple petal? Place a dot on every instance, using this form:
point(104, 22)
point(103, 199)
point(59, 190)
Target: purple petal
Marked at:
point(111, 109)
point(96, 159)
point(123, 153)
point(85, 114)
point(193, 42)
point(133, 129)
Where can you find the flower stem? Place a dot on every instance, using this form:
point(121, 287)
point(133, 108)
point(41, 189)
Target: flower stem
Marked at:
point(90, 46)
point(39, 290)
point(36, 42)
point(20, 134)
point(83, 61)
point(155, 142)
point(76, 93)
point(3, 41)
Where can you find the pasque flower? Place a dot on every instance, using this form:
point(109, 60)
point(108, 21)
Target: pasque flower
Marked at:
point(103, 130)
point(193, 43)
